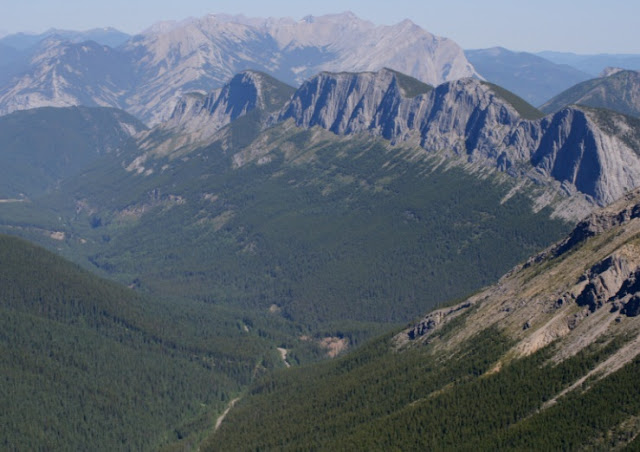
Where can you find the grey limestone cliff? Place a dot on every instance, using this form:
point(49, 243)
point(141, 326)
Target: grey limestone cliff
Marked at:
point(589, 152)
point(197, 118)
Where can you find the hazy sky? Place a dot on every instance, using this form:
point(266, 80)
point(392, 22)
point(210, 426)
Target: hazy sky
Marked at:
point(582, 26)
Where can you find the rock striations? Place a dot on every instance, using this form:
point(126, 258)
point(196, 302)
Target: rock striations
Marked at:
point(584, 289)
point(197, 118)
point(586, 151)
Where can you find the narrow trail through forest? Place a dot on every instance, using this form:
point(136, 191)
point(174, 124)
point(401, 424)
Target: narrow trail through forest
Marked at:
point(223, 415)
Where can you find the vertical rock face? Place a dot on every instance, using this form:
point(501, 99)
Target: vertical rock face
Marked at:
point(592, 152)
point(577, 149)
point(466, 117)
point(345, 103)
point(197, 117)
point(221, 106)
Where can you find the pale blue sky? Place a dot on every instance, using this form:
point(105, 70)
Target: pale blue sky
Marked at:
point(583, 26)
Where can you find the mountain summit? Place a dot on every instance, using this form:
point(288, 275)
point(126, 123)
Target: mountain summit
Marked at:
point(150, 72)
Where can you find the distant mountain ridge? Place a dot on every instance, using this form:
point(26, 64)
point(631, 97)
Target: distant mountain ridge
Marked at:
point(593, 64)
point(616, 89)
point(147, 74)
point(64, 74)
point(530, 76)
point(106, 36)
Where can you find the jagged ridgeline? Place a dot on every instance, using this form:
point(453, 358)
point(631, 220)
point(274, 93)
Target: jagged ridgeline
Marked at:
point(357, 198)
point(144, 74)
point(547, 359)
point(332, 231)
point(85, 362)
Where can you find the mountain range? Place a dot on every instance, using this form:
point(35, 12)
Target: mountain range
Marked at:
point(228, 167)
point(467, 119)
point(593, 64)
point(260, 154)
point(146, 73)
point(305, 191)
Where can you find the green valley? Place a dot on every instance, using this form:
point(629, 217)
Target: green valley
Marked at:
point(85, 361)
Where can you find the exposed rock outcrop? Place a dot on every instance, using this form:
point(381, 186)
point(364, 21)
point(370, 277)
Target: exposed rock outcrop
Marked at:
point(585, 296)
point(197, 118)
point(433, 320)
point(588, 152)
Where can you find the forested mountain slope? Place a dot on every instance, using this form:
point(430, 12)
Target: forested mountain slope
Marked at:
point(546, 359)
point(42, 147)
point(86, 362)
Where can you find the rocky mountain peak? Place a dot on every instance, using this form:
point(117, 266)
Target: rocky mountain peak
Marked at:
point(197, 117)
point(240, 95)
point(199, 54)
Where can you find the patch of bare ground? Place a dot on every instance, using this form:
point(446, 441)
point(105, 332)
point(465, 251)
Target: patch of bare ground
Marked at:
point(334, 345)
point(283, 354)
